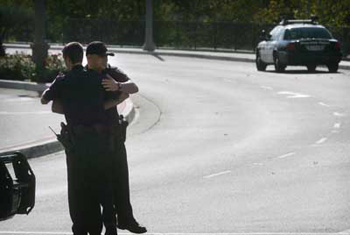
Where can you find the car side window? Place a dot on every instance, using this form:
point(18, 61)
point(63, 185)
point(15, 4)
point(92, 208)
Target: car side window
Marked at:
point(287, 35)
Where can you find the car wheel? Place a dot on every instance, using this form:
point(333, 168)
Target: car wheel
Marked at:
point(333, 67)
point(260, 65)
point(311, 68)
point(279, 67)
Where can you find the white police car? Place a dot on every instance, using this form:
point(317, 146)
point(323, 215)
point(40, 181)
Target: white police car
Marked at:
point(298, 42)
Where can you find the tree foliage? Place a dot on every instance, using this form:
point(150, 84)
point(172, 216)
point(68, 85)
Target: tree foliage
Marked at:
point(332, 12)
point(16, 13)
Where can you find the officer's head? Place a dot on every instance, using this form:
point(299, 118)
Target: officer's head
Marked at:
point(96, 53)
point(73, 54)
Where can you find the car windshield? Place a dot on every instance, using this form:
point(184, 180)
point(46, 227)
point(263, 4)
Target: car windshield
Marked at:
point(307, 32)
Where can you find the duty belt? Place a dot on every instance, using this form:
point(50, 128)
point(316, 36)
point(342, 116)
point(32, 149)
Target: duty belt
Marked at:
point(97, 128)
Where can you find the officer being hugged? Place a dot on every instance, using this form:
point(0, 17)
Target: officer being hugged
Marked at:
point(90, 139)
point(120, 86)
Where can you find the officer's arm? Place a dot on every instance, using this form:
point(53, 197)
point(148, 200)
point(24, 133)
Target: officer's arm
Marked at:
point(57, 107)
point(128, 87)
point(114, 102)
point(52, 92)
point(43, 99)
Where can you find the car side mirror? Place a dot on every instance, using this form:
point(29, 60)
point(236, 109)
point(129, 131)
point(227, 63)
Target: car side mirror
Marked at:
point(264, 36)
point(268, 37)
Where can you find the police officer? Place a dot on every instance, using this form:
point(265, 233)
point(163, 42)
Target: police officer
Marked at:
point(89, 155)
point(118, 83)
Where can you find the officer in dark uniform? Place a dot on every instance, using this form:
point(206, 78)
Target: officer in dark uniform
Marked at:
point(120, 84)
point(91, 145)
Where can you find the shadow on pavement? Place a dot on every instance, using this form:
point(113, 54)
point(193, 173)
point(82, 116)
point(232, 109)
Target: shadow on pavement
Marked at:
point(302, 72)
point(157, 56)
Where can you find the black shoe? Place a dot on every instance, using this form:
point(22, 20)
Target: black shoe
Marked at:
point(132, 226)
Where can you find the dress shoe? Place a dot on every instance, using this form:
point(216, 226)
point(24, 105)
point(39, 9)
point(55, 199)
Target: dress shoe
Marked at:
point(132, 226)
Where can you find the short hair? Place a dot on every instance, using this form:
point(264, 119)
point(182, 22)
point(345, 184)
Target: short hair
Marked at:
point(74, 51)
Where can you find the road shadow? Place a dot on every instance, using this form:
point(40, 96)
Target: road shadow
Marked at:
point(157, 56)
point(295, 71)
point(28, 96)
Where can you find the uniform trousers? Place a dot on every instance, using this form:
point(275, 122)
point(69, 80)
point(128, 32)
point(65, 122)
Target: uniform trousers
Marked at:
point(122, 187)
point(90, 182)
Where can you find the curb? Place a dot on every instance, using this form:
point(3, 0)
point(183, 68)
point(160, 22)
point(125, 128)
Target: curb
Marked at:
point(139, 51)
point(51, 146)
point(179, 53)
point(31, 86)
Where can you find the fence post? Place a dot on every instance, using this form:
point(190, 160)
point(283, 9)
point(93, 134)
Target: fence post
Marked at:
point(215, 35)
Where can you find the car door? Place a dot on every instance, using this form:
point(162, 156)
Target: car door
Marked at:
point(262, 50)
point(271, 44)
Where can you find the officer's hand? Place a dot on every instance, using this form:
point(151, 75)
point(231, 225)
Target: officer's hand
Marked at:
point(110, 84)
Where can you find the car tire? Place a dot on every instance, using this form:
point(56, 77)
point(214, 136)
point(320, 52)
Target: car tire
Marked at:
point(333, 67)
point(311, 68)
point(279, 67)
point(260, 65)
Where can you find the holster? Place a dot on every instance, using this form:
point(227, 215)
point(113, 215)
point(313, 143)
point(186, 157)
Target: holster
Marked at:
point(65, 137)
point(123, 124)
point(119, 129)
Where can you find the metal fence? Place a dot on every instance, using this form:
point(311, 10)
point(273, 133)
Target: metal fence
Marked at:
point(126, 33)
point(174, 34)
point(195, 35)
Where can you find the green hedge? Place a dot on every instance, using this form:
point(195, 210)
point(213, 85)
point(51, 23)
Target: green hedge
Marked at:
point(20, 67)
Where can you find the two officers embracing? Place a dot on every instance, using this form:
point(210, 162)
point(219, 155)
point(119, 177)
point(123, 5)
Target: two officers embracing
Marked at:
point(97, 168)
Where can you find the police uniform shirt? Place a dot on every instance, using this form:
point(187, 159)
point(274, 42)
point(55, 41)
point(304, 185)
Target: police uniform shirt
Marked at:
point(119, 76)
point(81, 94)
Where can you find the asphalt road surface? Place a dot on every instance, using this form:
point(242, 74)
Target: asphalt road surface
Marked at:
point(217, 147)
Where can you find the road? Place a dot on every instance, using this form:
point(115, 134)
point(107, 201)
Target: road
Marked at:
point(218, 147)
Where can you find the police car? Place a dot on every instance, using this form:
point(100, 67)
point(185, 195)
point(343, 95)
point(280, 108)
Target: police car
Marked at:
point(298, 42)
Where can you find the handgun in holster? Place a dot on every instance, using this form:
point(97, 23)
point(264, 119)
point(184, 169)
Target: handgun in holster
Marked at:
point(65, 137)
point(123, 126)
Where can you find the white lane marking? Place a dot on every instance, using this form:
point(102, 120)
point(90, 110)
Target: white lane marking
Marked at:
point(286, 155)
point(337, 125)
point(267, 88)
point(322, 140)
point(217, 174)
point(323, 104)
point(257, 164)
point(339, 114)
point(24, 113)
point(345, 232)
point(293, 95)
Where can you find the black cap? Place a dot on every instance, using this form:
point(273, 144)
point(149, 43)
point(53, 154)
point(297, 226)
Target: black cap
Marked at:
point(97, 48)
